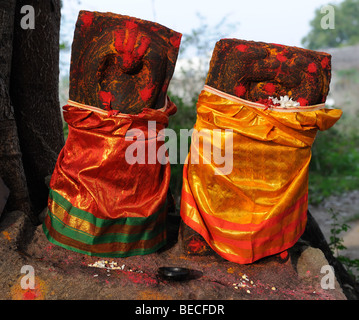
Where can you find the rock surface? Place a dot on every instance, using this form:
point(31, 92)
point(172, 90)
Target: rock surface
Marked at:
point(67, 275)
point(312, 265)
point(346, 207)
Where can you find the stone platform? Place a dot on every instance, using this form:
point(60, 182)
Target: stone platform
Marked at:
point(65, 275)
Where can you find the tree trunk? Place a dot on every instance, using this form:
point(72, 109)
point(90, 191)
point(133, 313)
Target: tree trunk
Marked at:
point(11, 166)
point(35, 96)
point(7, 12)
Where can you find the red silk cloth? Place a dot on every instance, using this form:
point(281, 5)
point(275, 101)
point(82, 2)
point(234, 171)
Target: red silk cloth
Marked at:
point(96, 184)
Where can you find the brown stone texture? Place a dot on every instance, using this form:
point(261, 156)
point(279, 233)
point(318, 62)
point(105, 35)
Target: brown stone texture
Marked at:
point(256, 70)
point(121, 63)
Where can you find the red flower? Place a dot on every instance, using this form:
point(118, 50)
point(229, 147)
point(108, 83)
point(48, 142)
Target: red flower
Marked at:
point(280, 57)
point(325, 63)
point(240, 90)
point(242, 47)
point(87, 19)
point(106, 99)
point(147, 92)
point(269, 88)
point(302, 101)
point(312, 67)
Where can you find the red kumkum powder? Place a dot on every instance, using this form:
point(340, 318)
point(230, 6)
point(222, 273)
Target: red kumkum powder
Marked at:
point(240, 90)
point(242, 47)
point(146, 93)
point(325, 62)
point(312, 67)
point(280, 57)
point(87, 19)
point(269, 88)
point(302, 101)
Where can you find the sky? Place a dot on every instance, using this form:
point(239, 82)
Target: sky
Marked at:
point(279, 21)
point(276, 21)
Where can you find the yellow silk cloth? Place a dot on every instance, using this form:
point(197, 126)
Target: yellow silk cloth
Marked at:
point(260, 207)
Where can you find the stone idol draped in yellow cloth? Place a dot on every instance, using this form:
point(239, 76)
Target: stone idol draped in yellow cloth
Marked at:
point(259, 207)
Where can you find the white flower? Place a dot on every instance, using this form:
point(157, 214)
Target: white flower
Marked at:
point(285, 102)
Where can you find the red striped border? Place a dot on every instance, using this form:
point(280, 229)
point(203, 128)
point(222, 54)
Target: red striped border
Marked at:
point(244, 244)
point(224, 224)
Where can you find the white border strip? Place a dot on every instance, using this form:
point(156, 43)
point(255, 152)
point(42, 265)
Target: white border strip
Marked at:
point(103, 112)
point(259, 105)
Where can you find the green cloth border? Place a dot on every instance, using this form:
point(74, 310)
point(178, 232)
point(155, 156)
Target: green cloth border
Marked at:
point(99, 222)
point(90, 239)
point(117, 254)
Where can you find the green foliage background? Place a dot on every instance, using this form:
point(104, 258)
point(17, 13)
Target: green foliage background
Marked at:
point(346, 31)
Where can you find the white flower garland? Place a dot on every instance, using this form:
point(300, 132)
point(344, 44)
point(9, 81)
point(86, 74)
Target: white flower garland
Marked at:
point(285, 102)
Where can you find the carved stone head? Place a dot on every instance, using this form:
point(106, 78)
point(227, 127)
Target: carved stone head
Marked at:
point(256, 70)
point(122, 62)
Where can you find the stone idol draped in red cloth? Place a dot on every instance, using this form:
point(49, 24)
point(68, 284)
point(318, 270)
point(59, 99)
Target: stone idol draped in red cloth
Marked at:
point(100, 203)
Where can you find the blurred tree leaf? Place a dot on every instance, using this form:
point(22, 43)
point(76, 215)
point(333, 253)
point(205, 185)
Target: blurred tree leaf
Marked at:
point(345, 32)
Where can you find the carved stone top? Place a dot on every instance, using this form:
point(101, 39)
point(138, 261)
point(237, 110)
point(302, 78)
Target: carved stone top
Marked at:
point(120, 62)
point(256, 70)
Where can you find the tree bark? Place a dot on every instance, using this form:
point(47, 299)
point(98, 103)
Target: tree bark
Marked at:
point(7, 12)
point(11, 166)
point(35, 96)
